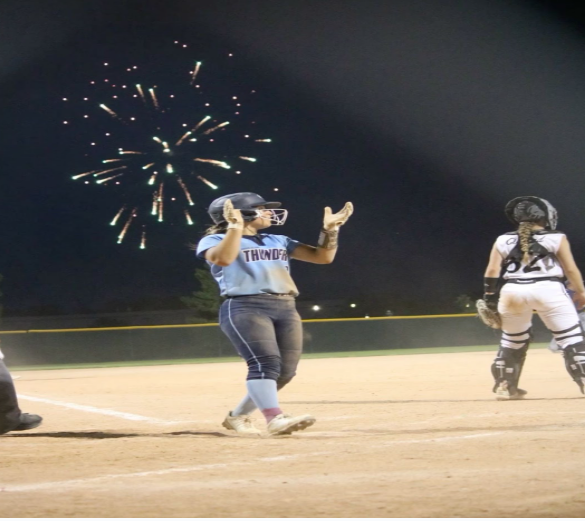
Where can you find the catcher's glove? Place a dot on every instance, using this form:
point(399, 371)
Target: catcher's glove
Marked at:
point(487, 314)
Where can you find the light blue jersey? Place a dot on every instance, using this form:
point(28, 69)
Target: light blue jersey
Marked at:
point(262, 266)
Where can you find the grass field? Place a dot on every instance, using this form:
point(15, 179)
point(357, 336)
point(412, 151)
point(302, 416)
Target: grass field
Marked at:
point(306, 356)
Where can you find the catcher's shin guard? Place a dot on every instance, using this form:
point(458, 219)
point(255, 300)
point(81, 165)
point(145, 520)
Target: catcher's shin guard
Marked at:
point(521, 358)
point(575, 363)
point(507, 367)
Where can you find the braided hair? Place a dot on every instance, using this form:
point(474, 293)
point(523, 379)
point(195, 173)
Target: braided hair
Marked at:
point(524, 237)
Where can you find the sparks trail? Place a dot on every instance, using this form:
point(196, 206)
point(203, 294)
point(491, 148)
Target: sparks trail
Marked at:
point(166, 145)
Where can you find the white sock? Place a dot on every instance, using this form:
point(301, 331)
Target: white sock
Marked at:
point(246, 406)
point(263, 393)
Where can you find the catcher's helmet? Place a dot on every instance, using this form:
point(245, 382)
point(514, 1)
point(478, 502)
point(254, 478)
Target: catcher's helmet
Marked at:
point(248, 203)
point(532, 209)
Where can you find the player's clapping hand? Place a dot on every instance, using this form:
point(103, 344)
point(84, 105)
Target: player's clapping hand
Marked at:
point(332, 221)
point(232, 216)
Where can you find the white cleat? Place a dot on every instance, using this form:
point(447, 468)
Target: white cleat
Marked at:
point(502, 392)
point(520, 395)
point(242, 424)
point(286, 424)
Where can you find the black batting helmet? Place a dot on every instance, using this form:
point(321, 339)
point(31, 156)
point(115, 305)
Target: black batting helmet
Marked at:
point(529, 208)
point(247, 202)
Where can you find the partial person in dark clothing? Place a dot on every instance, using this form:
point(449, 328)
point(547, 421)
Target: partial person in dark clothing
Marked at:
point(11, 417)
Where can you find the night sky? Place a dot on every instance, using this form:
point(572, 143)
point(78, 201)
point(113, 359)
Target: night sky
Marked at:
point(428, 116)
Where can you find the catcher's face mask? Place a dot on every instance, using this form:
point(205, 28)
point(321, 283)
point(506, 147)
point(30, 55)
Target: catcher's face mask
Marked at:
point(532, 209)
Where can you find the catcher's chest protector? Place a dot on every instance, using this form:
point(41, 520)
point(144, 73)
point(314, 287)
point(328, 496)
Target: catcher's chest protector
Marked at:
point(542, 260)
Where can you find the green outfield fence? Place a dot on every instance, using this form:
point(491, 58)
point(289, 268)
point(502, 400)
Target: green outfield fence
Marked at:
point(142, 343)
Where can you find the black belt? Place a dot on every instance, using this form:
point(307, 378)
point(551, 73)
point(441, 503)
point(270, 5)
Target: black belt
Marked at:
point(536, 279)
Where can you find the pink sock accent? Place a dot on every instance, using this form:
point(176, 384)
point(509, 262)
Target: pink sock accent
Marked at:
point(271, 413)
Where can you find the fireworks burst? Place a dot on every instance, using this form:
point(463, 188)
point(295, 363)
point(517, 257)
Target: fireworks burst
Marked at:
point(160, 147)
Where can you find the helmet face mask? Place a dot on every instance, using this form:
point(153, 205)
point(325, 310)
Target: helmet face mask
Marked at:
point(248, 203)
point(532, 209)
point(277, 215)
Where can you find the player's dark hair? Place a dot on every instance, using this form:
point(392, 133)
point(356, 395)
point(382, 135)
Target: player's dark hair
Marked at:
point(216, 228)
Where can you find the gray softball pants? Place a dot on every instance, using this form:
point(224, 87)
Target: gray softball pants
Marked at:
point(267, 332)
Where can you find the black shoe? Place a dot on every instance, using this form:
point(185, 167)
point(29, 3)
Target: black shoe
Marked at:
point(28, 421)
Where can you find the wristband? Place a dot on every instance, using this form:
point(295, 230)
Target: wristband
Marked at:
point(235, 226)
point(490, 284)
point(328, 239)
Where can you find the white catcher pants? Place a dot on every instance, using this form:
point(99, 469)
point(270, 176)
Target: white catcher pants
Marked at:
point(553, 305)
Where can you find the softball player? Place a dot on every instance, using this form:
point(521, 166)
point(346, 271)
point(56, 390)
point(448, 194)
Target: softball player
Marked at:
point(11, 417)
point(259, 315)
point(530, 265)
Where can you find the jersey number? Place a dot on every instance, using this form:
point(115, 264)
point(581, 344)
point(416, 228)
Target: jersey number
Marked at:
point(514, 266)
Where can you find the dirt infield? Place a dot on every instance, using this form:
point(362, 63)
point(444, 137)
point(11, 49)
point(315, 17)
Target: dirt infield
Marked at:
point(396, 436)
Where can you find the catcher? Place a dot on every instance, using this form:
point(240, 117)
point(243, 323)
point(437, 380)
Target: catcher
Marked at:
point(526, 271)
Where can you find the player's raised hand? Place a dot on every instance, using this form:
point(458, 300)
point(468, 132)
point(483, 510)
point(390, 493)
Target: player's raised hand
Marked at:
point(332, 221)
point(232, 216)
